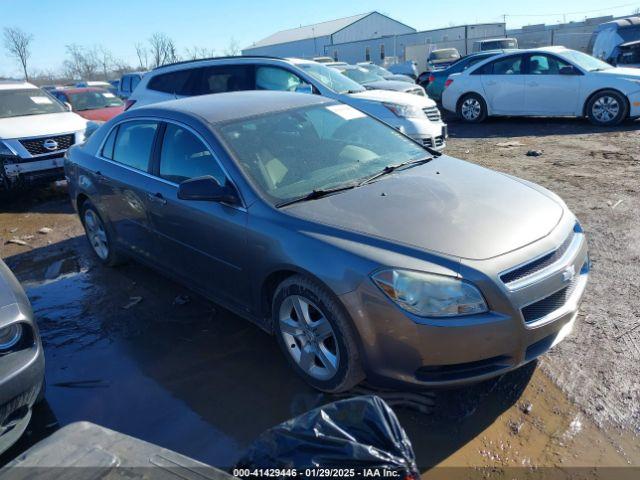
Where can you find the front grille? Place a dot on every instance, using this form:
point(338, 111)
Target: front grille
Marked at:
point(538, 264)
point(550, 304)
point(432, 113)
point(428, 142)
point(440, 373)
point(36, 146)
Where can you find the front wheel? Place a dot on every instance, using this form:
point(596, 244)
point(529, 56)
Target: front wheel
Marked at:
point(472, 108)
point(315, 335)
point(99, 236)
point(607, 108)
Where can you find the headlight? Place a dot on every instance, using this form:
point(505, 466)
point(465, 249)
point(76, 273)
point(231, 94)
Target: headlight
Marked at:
point(6, 151)
point(10, 336)
point(405, 111)
point(430, 295)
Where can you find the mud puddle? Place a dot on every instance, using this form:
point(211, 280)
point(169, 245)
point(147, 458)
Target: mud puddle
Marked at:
point(173, 369)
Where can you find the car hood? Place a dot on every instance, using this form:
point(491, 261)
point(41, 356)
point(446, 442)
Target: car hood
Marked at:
point(621, 72)
point(394, 97)
point(447, 206)
point(40, 125)
point(101, 114)
point(391, 85)
point(400, 78)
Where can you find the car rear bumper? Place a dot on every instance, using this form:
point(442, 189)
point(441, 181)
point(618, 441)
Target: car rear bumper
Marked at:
point(402, 350)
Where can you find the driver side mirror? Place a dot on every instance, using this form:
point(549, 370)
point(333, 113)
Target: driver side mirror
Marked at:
point(304, 88)
point(569, 70)
point(68, 107)
point(207, 188)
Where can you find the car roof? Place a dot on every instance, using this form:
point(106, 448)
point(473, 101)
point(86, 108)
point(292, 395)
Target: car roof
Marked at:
point(15, 85)
point(81, 89)
point(223, 107)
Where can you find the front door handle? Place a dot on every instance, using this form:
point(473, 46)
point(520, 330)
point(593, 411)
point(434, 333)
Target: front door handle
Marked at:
point(157, 198)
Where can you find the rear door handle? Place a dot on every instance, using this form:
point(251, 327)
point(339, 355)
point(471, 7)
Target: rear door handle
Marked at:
point(157, 198)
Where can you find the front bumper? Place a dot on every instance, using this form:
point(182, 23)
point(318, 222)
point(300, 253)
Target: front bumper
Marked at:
point(427, 133)
point(21, 379)
point(401, 350)
point(20, 172)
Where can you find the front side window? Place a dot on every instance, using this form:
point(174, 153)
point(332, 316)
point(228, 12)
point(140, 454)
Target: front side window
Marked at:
point(289, 154)
point(133, 143)
point(274, 78)
point(545, 65)
point(27, 101)
point(184, 156)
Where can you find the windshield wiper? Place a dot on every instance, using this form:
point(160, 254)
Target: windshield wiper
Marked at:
point(392, 168)
point(319, 193)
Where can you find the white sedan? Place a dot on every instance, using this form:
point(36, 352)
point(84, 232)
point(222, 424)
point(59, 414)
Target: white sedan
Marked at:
point(549, 81)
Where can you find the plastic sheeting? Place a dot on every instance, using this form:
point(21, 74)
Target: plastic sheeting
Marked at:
point(360, 432)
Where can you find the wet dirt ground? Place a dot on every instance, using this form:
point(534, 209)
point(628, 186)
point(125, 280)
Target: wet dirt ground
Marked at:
point(133, 351)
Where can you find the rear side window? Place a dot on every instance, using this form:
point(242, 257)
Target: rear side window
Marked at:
point(224, 78)
point(133, 143)
point(135, 80)
point(184, 156)
point(172, 82)
point(503, 66)
point(107, 149)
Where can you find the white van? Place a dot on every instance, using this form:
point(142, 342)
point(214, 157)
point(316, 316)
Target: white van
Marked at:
point(35, 132)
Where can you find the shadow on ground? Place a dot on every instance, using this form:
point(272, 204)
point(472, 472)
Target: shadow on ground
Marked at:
point(132, 351)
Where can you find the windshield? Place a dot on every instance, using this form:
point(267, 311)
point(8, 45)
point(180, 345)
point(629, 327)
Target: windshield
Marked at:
point(377, 69)
point(32, 101)
point(587, 62)
point(629, 56)
point(93, 100)
point(361, 75)
point(331, 78)
point(290, 154)
point(449, 54)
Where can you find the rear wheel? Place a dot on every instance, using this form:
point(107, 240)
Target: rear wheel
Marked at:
point(315, 335)
point(99, 236)
point(472, 108)
point(607, 108)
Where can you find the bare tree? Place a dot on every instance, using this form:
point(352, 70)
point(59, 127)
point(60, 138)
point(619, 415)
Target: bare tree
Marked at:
point(105, 59)
point(233, 48)
point(195, 53)
point(163, 49)
point(81, 63)
point(143, 56)
point(18, 45)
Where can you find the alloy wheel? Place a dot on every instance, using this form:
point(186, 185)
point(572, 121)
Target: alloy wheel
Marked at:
point(605, 109)
point(309, 336)
point(471, 109)
point(96, 234)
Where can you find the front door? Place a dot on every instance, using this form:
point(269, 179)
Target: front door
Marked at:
point(202, 242)
point(547, 92)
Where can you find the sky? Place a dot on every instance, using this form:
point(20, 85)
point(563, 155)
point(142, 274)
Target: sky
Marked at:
point(119, 24)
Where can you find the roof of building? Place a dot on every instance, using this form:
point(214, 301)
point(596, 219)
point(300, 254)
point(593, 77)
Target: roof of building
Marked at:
point(321, 29)
point(224, 107)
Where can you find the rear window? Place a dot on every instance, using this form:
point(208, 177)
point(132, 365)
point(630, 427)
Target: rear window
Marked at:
point(171, 82)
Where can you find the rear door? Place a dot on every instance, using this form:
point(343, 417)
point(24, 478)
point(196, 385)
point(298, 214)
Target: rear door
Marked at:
point(547, 92)
point(202, 242)
point(503, 84)
point(122, 180)
point(222, 78)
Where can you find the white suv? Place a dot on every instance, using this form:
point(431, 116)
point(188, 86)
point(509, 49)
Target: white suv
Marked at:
point(413, 115)
point(35, 132)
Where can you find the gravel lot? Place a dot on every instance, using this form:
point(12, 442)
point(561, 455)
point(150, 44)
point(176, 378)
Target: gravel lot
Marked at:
point(194, 378)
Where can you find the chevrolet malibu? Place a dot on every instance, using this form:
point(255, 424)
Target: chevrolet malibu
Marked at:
point(365, 254)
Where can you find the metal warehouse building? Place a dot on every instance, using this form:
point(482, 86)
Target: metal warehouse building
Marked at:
point(316, 40)
point(371, 37)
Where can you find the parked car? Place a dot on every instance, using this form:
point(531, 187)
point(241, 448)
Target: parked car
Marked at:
point(617, 42)
point(495, 44)
point(93, 83)
point(324, 59)
point(365, 254)
point(442, 58)
point(21, 360)
point(384, 73)
point(91, 103)
point(35, 132)
point(434, 83)
point(408, 68)
point(414, 115)
point(371, 81)
point(549, 81)
point(128, 83)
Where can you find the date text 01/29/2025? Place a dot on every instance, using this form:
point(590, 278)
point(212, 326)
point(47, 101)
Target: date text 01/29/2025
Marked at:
point(317, 472)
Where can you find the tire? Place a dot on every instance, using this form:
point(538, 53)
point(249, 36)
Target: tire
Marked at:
point(312, 339)
point(99, 235)
point(472, 108)
point(607, 108)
